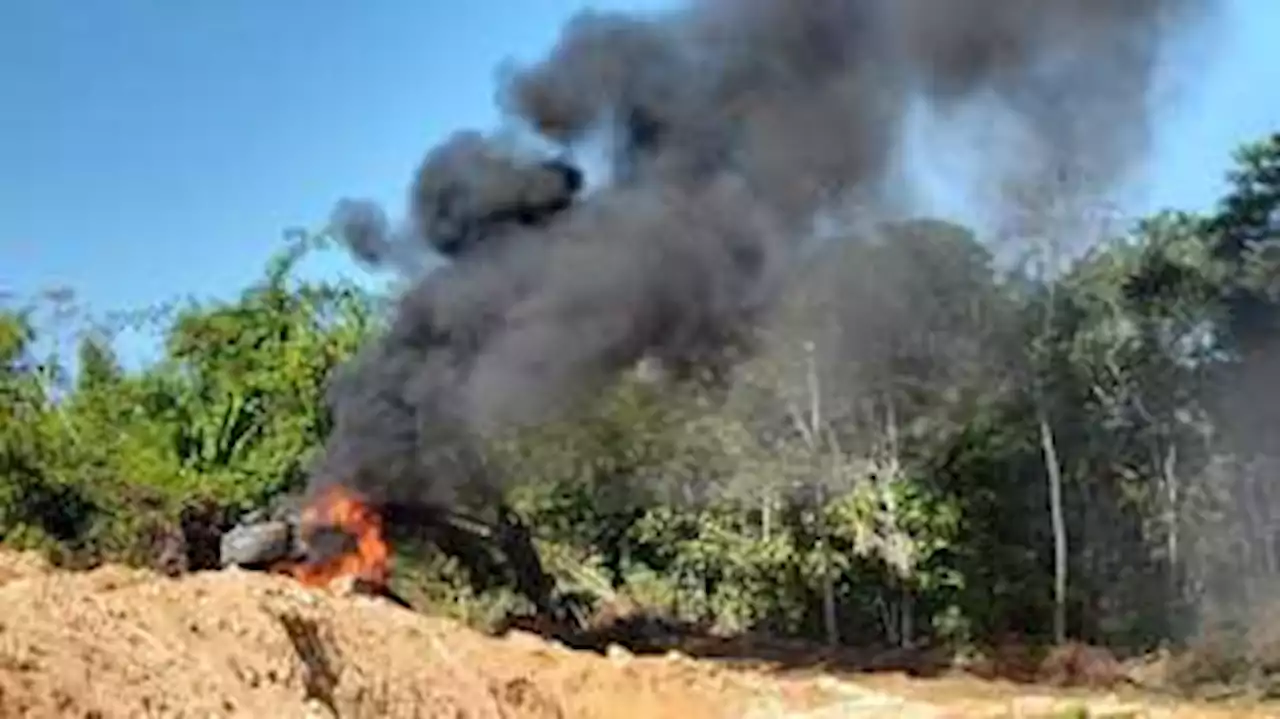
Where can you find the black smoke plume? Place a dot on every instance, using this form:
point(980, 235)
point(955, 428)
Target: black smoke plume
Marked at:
point(732, 126)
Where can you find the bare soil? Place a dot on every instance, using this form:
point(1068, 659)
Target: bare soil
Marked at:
point(117, 642)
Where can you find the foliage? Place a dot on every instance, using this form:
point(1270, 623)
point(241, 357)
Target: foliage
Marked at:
point(876, 469)
point(227, 417)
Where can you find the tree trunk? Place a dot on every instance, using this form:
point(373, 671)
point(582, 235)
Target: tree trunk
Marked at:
point(1054, 471)
point(829, 609)
point(908, 612)
point(829, 619)
point(1173, 522)
point(813, 438)
point(888, 617)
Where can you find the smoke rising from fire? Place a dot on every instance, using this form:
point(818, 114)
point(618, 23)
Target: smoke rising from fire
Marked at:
point(732, 126)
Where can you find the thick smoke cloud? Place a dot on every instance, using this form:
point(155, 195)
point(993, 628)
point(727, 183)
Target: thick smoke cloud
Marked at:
point(732, 125)
point(365, 230)
point(468, 190)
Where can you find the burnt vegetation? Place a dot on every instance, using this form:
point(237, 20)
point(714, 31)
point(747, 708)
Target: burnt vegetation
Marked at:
point(735, 382)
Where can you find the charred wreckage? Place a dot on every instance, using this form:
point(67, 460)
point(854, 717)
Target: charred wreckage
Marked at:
point(281, 539)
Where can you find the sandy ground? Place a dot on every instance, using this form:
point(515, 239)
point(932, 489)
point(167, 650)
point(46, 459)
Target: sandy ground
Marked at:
point(125, 643)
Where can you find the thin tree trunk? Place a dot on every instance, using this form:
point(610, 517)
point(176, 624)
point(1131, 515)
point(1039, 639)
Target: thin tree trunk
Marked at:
point(1173, 521)
point(829, 609)
point(829, 618)
point(907, 634)
point(1053, 468)
point(888, 617)
point(903, 572)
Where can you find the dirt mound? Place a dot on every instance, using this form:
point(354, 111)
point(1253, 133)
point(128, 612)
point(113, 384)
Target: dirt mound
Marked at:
point(125, 643)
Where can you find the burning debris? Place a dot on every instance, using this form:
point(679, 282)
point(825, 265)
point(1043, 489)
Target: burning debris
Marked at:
point(344, 537)
point(336, 538)
point(340, 538)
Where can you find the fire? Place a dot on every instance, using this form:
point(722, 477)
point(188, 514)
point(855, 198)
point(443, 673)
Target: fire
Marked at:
point(366, 559)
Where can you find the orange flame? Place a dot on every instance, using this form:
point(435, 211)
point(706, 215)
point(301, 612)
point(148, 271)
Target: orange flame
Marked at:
point(369, 561)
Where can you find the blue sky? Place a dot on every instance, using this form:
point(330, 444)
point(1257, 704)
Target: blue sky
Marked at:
point(152, 148)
